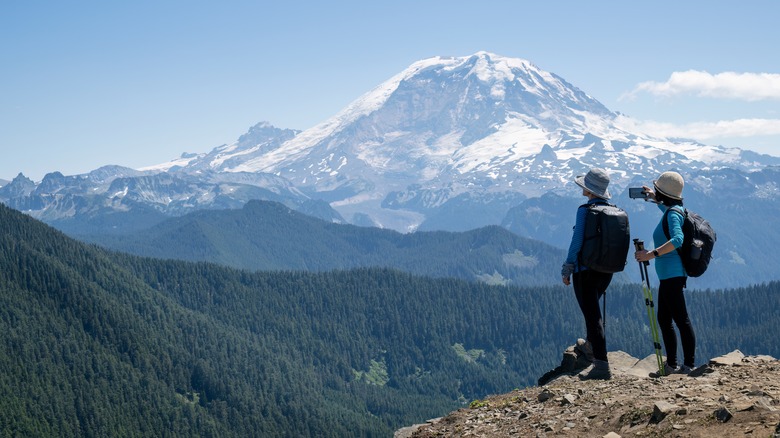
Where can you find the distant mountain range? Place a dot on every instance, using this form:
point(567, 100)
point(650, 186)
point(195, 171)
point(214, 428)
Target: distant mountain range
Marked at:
point(115, 199)
point(448, 144)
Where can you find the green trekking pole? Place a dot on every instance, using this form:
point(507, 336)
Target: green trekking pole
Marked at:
point(648, 292)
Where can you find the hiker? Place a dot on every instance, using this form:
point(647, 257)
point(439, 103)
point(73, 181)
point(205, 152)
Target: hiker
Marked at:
point(667, 193)
point(589, 285)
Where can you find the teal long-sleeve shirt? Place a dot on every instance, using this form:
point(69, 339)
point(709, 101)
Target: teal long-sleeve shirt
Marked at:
point(670, 264)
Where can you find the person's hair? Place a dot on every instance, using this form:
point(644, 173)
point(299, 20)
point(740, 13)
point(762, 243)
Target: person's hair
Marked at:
point(665, 200)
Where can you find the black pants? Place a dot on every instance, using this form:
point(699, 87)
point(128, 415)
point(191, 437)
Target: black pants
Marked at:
point(589, 286)
point(672, 309)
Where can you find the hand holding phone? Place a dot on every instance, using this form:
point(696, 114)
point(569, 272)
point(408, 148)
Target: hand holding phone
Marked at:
point(637, 193)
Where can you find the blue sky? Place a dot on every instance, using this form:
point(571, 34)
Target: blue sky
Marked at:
point(89, 83)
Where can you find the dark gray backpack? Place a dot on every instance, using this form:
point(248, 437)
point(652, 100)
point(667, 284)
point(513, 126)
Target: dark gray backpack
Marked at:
point(698, 241)
point(607, 238)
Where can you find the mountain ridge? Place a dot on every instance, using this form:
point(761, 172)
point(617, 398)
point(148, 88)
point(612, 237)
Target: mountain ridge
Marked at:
point(267, 235)
point(477, 65)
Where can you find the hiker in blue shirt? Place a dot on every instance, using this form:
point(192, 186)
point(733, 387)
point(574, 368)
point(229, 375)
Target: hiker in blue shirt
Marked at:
point(589, 285)
point(667, 193)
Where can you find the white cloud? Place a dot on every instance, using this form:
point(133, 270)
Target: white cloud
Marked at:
point(707, 130)
point(741, 86)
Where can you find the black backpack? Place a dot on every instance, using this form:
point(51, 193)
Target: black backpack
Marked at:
point(698, 240)
point(607, 237)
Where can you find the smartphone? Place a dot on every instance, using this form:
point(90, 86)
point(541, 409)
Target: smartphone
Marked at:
point(636, 193)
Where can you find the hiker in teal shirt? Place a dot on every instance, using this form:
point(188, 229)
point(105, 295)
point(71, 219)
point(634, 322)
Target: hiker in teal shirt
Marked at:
point(667, 192)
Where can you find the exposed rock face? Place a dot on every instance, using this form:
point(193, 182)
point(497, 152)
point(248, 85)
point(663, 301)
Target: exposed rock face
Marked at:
point(732, 395)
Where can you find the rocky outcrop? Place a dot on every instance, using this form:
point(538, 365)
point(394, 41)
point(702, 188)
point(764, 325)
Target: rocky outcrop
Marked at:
point(732, 395)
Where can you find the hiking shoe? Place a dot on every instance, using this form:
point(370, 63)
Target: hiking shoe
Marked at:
point(701, 370)
point(683, 369)
point(585, 348)
point(598, 371)
point(668, 369)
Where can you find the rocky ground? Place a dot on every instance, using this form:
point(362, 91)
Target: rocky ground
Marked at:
point(731, 396)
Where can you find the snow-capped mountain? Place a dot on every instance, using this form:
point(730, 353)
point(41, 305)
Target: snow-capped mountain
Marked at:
point(444, 127)
point(447, 143)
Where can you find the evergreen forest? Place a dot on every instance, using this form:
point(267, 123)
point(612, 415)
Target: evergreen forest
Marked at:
point(97, 343)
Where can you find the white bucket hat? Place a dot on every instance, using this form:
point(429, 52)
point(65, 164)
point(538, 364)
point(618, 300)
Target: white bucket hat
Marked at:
point(596, 182)
point(670, 184)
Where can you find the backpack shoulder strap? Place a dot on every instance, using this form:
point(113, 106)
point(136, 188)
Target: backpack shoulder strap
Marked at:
point(665, 223)
point(665, 220)
point(595, 204)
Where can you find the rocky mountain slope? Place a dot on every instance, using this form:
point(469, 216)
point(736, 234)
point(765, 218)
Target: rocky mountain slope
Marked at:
point(731, 396)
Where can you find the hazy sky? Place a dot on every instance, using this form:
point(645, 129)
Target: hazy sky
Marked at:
point(89, 83)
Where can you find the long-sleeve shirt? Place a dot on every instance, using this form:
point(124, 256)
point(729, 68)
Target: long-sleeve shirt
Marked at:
point(670, 264)
point(579, 235)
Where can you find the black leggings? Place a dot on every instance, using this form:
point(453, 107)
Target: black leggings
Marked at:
point(589, 286)
point(672, 309)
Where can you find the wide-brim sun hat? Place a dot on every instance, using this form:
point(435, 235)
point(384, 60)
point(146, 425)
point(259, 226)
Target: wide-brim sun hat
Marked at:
point(595, 181)
point(670, 184)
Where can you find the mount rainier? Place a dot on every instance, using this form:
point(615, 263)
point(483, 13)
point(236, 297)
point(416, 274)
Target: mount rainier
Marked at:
point(484, 127)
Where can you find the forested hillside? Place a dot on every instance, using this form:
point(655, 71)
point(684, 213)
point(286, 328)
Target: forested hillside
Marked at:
point(94, 343)
point(267, 235)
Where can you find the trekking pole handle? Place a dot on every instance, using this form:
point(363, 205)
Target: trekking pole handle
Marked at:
point(639, 245)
